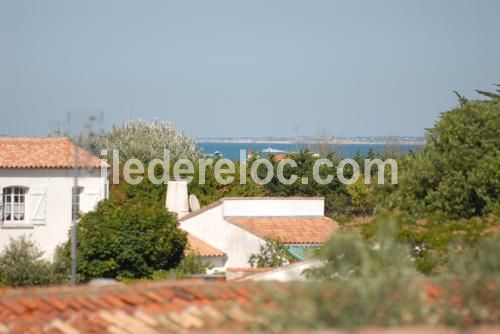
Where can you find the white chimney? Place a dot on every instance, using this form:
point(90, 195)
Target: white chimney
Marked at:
point(177, 197)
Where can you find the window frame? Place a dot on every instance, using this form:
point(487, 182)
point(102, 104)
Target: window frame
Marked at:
point(76, 204)
point(14, 200)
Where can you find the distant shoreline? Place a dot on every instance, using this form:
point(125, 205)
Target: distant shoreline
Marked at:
point(337, 141)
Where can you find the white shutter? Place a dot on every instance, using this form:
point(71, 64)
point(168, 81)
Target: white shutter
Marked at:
point(1, 203)
point(92, 197)
point(38, 204)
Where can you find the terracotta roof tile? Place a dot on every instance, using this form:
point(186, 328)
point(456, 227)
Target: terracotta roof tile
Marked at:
point(201, 247)
point(290, 230)
point(188, 307)
point(146, 307)
point(44, 153)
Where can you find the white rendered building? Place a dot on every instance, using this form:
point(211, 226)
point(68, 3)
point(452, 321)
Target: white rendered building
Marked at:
point(37, 194)
point(235, 228)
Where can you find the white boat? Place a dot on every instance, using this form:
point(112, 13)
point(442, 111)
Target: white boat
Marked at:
point(216, 154)
point(272, 150)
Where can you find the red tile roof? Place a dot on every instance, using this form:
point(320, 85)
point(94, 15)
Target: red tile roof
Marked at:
point(147, 307)
point(201, 247)
point(280, 157)
point(43, 153)
point(290, 230)
point(164, 307)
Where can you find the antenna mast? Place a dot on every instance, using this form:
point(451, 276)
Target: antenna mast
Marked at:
point(129, 113)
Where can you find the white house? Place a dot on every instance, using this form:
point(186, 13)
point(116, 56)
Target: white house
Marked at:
point(38, 197)
point(237, 227)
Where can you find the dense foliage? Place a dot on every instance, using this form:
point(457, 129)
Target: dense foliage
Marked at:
point(191, 264)
point(340, 199)
point(375, 282)
point(21, 264)
point(349, 255)
point(212, 190)
point(459, 171)
point(128, 240)
point(431, 237)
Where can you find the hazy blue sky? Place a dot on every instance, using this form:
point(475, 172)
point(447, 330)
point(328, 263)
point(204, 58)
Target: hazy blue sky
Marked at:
point(246, 68)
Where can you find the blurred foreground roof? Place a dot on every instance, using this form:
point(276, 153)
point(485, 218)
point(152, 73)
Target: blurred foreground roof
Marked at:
point(156, 307)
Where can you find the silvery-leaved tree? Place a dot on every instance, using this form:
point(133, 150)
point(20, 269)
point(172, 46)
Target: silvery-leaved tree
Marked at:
point(146, 140)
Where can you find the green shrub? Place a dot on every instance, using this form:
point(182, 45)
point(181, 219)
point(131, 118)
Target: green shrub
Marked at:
point(348, 254)
point(432, 235)
point(21, 264)
point(191, 264)
point(273, 253)
point(61, 265)
point(128, 240)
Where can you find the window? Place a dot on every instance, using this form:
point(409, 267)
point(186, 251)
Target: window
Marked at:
point(14, 203)
point(75, 202)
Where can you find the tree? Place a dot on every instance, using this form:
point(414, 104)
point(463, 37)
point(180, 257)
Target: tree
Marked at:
point(146, 141)
point(492, 95)
point(271, 254)
point(459, 171)
point(21, 264)
point(361, 198)
point(132, 239)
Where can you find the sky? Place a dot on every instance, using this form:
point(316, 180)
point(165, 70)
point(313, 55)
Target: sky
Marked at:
point(245, 68)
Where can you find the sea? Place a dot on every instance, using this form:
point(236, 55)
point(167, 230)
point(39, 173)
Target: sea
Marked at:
point(232, 150)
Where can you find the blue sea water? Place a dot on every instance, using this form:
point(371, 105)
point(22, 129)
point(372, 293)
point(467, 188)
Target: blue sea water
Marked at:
point(232, 150)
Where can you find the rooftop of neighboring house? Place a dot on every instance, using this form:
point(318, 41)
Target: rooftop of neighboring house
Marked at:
point(296, 221)
point(44, 152)
point(289, 230)
point(201, 248)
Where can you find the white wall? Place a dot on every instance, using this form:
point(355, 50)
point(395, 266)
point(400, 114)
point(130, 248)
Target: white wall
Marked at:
point(211, 227)
point(208, 226)
point(274, 207)
point(48, 203)
point(238, 244)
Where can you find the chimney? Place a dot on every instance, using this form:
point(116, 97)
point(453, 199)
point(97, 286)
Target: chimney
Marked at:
point(177, 197)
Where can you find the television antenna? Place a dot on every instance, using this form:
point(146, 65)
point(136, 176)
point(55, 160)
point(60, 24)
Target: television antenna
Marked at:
point(81, 132)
